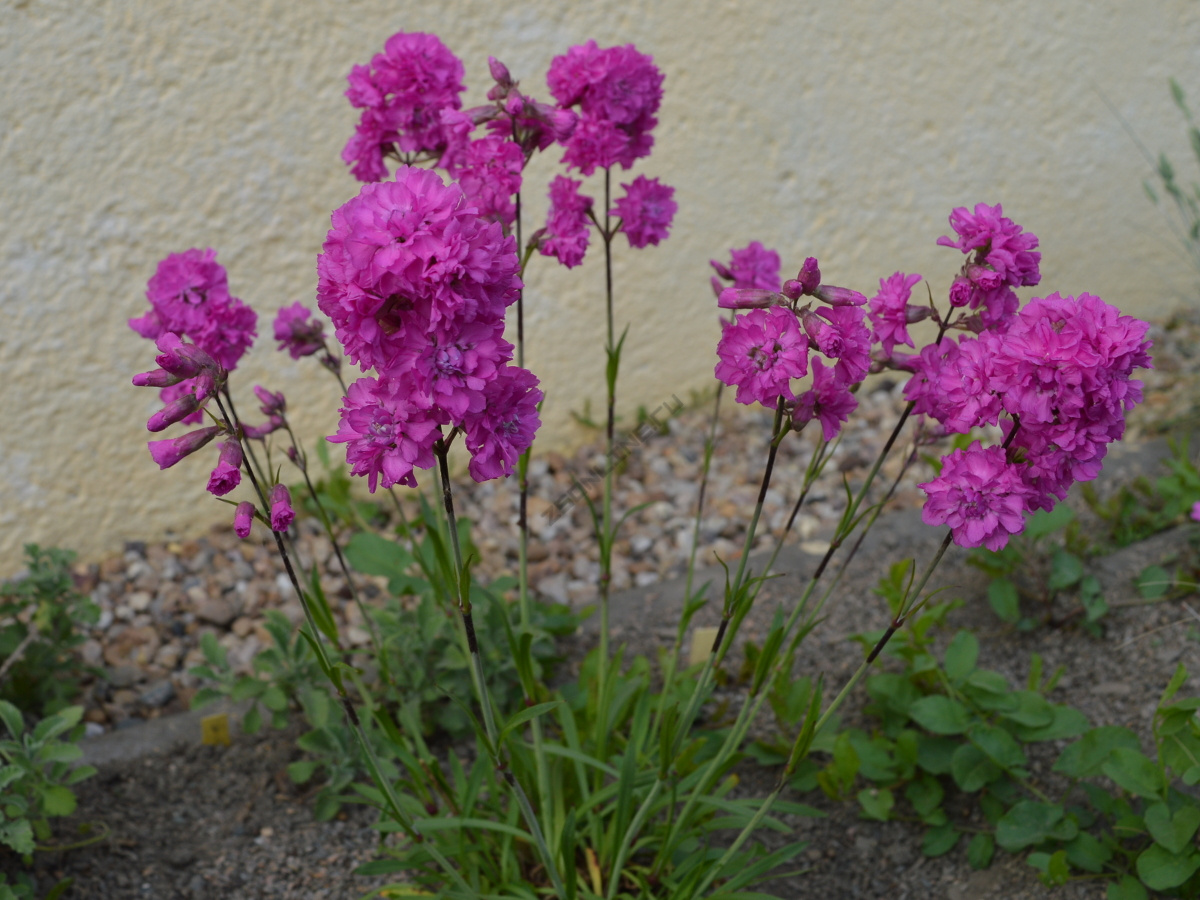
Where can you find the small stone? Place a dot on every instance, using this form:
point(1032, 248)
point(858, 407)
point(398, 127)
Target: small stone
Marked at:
point(1112, 688)
point(95, 716)
point(158, 694)
point(92, 729)
point(181, 857)
point(123, 676)
point(169, 655)
point(215, 611)
point(124, 697)
point(242, 626)
point(91, 652)
point(358, 637)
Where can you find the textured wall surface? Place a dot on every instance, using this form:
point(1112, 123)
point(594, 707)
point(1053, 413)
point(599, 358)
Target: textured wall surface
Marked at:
point(134, 128)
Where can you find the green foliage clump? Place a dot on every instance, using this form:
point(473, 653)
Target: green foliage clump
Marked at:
point(42, 617)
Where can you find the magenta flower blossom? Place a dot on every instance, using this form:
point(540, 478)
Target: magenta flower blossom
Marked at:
point(228, 473)
point(646, 211)
point(167, 453)
point(755, 266)
point(567, 227)
point(617, 91)
point(229, 333)
point(243, 518)
point(1000, 245)
point(451, 372)
point(760, 353)
point(1195, 514)
point(189, 297)
point(402, 94)
point(298, 332)
point(828, 400)
point(845, 339)
point(184, 289)
point(504, 427)
point(411, 253)
point(964, 384)
point(489, 171)
point(889, 311)
point(282, 513)
point(1003, 257)
point(980, 495)
point(386, 431)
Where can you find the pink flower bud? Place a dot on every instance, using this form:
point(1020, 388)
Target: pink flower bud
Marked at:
point(809, 276)
point(746, 298)
point(173, 412)
point(722, 270)
point(793, 289)
point(169, 358)
point(228, 473)
point(563, 123)
point(258, 432)
point(514, 104)
point(167, 453)
point(159, 378)
point(839, 296)
point(1196, 512)
point(961, 292)
point(717, 286)
point(985, 277)
point(282, 513)
point(272, 403)
point(243, 518)
point(499, 71)
point(916, 313)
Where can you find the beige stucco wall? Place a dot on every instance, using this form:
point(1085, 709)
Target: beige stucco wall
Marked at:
point(134, 128)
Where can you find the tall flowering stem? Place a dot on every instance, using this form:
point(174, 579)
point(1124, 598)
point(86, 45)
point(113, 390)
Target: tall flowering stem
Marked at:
point(392, 802)
point(441, 450)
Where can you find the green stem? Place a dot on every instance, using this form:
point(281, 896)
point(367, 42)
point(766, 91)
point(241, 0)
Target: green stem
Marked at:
point(441, 450)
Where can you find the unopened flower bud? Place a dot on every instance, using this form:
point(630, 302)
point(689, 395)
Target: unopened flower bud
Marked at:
point(514, 104)
point(563, 123)
point(839, 296)
point(272, 403)
point(746, 298)
point(722, 270)
point(332, 363)
point(228, 473)
point(295, 457)
point(282, 513)
point(243, 518)
point(499, 71)
point(177, 409)
point(159, 378)
point(916, 313)
point(793, 289)
point(167, 453)
point(809, 276)
point(985, 277)
point(961, 292)
point(258, 432)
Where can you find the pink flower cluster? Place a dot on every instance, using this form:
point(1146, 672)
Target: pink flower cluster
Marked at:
point(189, 298)
point(762, 350)
point(1060, 375)
point(617, 91)
point(403, 94)
point(1000, 257)
point(298, 332)
point(416, 284)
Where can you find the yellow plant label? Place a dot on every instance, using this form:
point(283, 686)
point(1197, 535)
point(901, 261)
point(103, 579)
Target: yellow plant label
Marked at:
point(702, 641)
point(215, 730)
